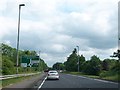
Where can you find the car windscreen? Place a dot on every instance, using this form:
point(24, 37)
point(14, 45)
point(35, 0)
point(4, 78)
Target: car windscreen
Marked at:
point(53, 72)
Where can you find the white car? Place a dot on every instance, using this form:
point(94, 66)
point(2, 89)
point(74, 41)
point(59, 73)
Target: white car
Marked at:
point(52, 74)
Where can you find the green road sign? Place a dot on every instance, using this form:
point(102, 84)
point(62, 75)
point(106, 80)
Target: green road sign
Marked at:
point(29, 61)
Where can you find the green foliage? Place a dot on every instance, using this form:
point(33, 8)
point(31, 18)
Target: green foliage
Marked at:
point(58, 66)
point(43, 65)
point(108, 64)
point(93, 66)
point(81, 62)
point(7, 66)
point(71, 64)
point(104, 74)
point(116, 66)
point(110, 75)
point(90, 67)
point(9, 60)
point(9, 52)
point(106, 69)
point(105, 65)
point(6, 50)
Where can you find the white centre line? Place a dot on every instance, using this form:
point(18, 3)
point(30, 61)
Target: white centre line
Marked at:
point(42, 83)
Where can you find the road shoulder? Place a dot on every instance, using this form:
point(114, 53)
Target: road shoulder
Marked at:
point(28, 83)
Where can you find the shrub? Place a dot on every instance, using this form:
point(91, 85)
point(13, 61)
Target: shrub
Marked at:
point(7, 66)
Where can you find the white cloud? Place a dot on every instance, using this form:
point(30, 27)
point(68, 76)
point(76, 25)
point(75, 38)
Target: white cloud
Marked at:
point(55, 27)
point(7, 26)
point(3, 5)
point(58, 47)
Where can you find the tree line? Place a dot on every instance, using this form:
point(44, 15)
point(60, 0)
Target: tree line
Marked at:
point(94, 66)
point(8, 59)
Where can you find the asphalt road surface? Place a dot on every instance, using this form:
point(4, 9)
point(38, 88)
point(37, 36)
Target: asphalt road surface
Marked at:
point(74, 81)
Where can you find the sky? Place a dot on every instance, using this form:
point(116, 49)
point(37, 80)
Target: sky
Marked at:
point(56, 27)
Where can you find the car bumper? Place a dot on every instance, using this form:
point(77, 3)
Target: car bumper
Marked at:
point(52, 77)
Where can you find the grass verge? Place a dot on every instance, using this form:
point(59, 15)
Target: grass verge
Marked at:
point(82, 74)
point(110, 78)
point(7, 82)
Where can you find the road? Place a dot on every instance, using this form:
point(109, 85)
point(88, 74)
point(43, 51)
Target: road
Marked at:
point(66, 81)
point(26, 84)
point(74, 81)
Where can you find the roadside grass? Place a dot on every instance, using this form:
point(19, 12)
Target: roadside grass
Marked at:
point(110, 75)
point(7, 82)
point(114, 78)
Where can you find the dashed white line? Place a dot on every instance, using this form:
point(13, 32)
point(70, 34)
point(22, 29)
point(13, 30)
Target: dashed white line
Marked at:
point(42, 83)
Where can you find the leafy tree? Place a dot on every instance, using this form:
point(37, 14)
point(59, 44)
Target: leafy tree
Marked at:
point(9, 52)
point(81, 61)
point(116, 66)
point(87, 67)
point(71, 63)
point(105, 65)
point(116, 54)
point(110, 63)
point(74, 51)
point(6, 50)
point(93, 66)
point(9, 60)
point(58, 66)
point(43, 65)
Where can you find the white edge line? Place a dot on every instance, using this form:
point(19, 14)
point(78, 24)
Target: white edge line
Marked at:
point(95, 79)
point(106, 81)
point(42, 83)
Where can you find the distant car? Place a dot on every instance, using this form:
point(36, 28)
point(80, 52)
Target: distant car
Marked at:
point(60, 71)
point(52, 74)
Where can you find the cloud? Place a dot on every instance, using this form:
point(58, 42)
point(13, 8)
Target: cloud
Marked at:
point(56, 27)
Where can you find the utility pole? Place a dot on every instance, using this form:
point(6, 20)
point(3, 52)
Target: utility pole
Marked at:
point(39, 60)
point(78, 58)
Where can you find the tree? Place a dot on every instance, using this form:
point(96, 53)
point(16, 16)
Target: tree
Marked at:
point(58, 66)
point(116, 66)
point(81, 61)
point(6, 50)
point(105, 65)
point(93, 66)
point(116, 54)
point(43, 65)
point(9, 60)
point(71, 63)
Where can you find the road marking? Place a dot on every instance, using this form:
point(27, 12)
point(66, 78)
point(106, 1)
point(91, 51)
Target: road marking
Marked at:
point(42, 83)
point(105, 81)
point(94, 79)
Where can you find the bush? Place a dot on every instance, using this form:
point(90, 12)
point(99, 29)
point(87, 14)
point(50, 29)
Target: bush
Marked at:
point(108, 73)
point(103, 74)
point(7, 66)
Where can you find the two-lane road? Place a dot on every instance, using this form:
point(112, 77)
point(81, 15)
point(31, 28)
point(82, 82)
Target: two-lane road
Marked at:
point(74, 81)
